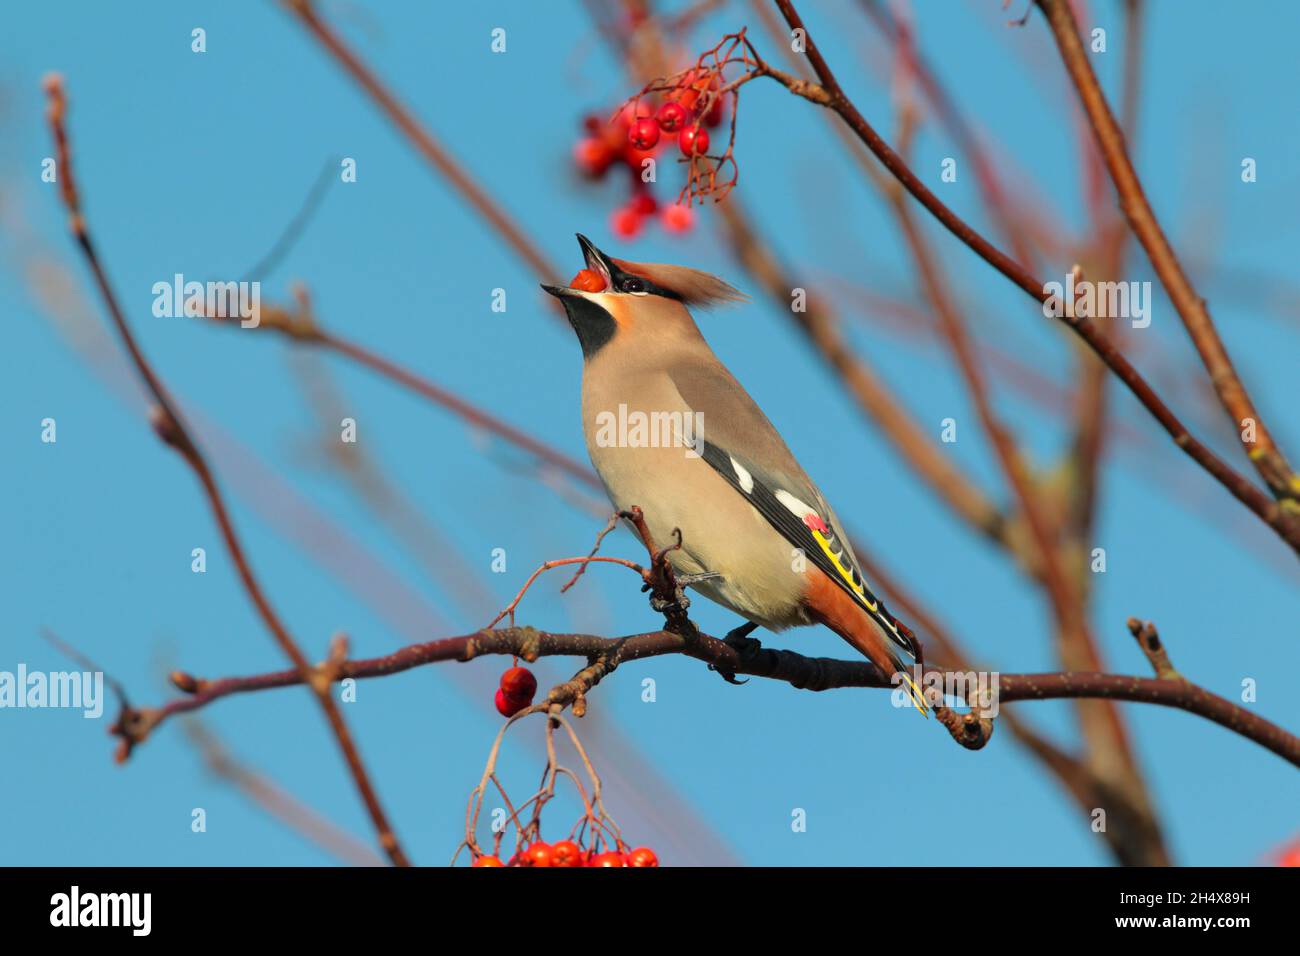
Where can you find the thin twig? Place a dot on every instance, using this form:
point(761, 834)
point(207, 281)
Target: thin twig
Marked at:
point(1268, 459)
point(172, 429)
point(324, 179)
point(829, 94)
point(279, 803)
point(991, 190)
point(421, 138)
point(303, 328)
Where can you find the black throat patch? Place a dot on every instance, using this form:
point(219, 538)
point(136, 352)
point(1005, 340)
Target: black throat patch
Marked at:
point(593, 325)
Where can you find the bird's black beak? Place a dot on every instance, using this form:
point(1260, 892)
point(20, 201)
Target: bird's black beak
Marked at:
point(590, 320)
point(596, 261)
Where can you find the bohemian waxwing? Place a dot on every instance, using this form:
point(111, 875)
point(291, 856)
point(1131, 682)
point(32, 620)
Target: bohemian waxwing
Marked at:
point(670, 430)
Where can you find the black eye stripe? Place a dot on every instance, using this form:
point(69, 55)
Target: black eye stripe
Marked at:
point(624, 282)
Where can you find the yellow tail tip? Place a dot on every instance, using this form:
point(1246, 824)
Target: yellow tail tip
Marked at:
point(914, 694)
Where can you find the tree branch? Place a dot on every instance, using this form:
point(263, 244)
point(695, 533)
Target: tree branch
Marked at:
point(819, 325)
point(1191, 308)
point(746, 657)
point(421, 138)
point(829, 94)
point(302, 327)
point(172, 429)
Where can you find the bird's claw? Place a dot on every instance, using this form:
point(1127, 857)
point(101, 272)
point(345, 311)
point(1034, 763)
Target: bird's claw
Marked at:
point(739, 640)
point(728, 676)
point(679, 601)
point(680, 583)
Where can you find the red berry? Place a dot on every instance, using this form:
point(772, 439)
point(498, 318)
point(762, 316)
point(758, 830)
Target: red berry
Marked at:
point(672, 117)
point(587, 281)
point(508, 706)
point(614, 137)
point(607, 859)
point(631, 111)
point(644, 133)
point(687, 92)
point(645, 204)
point(566, 853)
point(693, 140)
point(538, 854)
point(488, 861)
point(714, 116)
point(626, 222)
point(519, 682)
point(642, 856)
point(634, 158)
point(593, 156)
point(677, 218)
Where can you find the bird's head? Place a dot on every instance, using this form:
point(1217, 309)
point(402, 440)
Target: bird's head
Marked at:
point(615, 298)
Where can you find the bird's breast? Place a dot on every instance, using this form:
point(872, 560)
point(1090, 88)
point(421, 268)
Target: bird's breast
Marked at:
point(644, 442)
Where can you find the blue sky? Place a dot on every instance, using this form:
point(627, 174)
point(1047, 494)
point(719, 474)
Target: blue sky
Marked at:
point(194, 163)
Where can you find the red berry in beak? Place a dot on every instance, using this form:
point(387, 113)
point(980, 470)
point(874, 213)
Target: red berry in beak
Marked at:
point(587, 281)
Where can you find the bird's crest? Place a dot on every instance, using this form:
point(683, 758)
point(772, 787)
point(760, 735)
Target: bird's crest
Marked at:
point(693, 287)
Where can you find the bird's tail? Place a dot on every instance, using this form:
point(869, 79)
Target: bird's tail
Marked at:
point(882, 639)
point(869, 636)
point(902, 672)
point(900, 634)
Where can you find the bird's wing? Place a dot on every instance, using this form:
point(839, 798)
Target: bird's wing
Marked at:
point(742, 446)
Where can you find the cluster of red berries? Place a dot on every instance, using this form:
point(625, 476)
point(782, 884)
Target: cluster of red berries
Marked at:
point(638, 132)
point(567, 853)
point(518, 687)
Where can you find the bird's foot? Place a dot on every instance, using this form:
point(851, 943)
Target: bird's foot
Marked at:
point(677, 603)
point(679, 600)
point(738, 639)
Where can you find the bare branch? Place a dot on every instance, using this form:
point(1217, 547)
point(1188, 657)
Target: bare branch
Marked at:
point(829, 94)
point(1268, 459)
point(803, 673)
point(172, 429)
point(421, 138)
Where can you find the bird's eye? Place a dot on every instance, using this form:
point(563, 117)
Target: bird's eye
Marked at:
point(635, 286)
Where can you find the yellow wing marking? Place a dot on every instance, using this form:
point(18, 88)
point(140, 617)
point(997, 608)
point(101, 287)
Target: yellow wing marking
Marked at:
point(846, 572)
